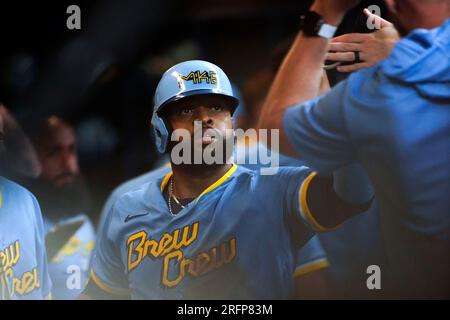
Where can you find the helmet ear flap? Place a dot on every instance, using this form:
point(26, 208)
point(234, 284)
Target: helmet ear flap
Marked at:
point(161, 133)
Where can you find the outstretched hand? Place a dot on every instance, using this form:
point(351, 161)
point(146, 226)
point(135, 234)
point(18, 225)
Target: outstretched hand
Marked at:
point(370, 47)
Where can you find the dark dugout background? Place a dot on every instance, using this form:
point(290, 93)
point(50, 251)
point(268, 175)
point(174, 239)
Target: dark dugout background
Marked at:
point(102, 78)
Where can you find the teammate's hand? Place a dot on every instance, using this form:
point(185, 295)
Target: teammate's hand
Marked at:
point(371, 47)
point(333, 10)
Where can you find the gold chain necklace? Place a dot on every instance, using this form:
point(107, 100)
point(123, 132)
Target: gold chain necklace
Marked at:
point(172, 196)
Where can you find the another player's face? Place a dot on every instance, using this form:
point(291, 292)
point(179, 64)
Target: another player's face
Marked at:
point(58, 155)
point(211, 113)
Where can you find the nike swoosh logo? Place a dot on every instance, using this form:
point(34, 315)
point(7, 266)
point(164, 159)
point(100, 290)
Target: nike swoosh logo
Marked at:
point(128, 218)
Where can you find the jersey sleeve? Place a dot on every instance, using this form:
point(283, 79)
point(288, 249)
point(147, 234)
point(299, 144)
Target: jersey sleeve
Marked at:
point(285, 186)
point(107, 269)
point(317, 130)
point(41, 253)
point(311, 257)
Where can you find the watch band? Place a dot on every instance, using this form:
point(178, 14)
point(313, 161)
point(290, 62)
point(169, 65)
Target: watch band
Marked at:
point(314, 25)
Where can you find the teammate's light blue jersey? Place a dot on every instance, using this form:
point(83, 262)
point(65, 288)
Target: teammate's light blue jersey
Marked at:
point(69, 268)
point(238, 239)
point(395, 119)
point(23, 261)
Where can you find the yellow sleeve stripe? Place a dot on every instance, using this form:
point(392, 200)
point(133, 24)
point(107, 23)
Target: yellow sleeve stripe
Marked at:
point(1, 199)
point(311, 266)
point(107, 288)
point(304, 209)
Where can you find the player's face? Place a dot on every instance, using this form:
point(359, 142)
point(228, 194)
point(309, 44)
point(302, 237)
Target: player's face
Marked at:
point(212, 113)
point(58, 155)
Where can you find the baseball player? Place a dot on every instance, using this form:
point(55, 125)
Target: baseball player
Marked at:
point(23, 260)
point(310, 260)
point(211, 230)
point(61, 191)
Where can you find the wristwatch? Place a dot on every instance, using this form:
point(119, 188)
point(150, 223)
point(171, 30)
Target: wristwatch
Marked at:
point(313, 25)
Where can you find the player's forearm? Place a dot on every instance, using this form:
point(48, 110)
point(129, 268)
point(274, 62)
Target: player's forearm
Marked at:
point(298, 79)
point(334, 199)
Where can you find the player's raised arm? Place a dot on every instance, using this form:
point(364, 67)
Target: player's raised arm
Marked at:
point(328, 201)
point(300, 74)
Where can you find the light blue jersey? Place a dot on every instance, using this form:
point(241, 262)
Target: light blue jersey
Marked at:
point(23, 261)
point(238, 239)
point(311, 256)
point(69, 268)
point(395, 119)
point(128, 186)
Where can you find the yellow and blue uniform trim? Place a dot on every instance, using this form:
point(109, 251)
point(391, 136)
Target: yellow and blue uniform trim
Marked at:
point(309, 267)
point(304, 209)
point(228, 174)
point(107, 288)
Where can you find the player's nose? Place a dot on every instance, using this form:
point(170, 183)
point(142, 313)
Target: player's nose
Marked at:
point(203, 115)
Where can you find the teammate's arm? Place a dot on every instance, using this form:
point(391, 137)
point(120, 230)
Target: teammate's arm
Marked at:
point(300, 74)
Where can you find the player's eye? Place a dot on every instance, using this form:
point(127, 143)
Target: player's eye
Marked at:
point(186, 111)
point(216, 109)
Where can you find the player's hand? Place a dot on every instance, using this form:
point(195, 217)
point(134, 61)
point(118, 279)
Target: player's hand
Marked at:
point(333, 10)
point(371, 47)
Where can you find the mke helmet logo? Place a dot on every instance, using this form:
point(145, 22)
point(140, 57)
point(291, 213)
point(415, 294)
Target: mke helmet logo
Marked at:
point(197, 77)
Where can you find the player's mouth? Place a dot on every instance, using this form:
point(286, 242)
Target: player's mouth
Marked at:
point(208, 135)
point(208, 139)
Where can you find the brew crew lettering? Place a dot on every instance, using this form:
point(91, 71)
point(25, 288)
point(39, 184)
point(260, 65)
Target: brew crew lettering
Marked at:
point(169, 247)
point(11, 284)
